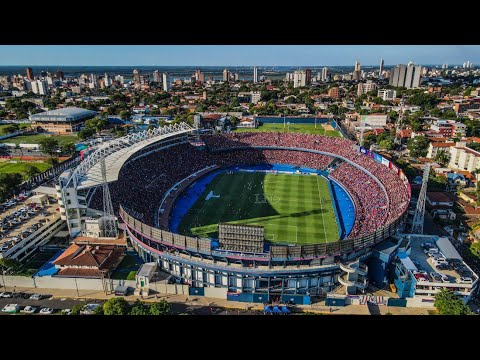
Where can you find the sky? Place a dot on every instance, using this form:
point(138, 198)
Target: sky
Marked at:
point(235, 55)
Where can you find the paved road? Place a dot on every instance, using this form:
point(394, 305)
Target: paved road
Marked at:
point(59, 304)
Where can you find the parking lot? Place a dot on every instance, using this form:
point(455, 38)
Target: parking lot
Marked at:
point(19, 219)
point(59, 304)
point(424, 262)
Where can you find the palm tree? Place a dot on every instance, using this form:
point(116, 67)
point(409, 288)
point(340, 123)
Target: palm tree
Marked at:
point(442, 157)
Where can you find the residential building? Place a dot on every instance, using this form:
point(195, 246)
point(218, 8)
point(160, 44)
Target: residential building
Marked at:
point(364, 88)
point(435, 147)
point(136, 77)
point(334, 93)
point(256, 96)
point(461, 107)
point(107, 80)
point(39, 87)
point(408, 76)
point(166, 82)
point(374, 119)
point(437, 200)
point(120, 79)
point(29, 74)
point(357, 73)
point(302, 78)
point(157, 76)
point(325, 74)
point(93, 81)
point(464, 158)
point(255, 74)
point(61, 121)
point(387, 94)
point(226, 75)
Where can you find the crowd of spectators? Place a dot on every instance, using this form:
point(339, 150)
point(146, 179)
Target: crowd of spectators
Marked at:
point(144, 181)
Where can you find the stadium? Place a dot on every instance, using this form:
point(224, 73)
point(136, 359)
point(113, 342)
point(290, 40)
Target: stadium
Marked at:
point(253, 216)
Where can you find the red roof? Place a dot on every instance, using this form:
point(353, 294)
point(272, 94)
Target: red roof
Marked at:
point(99, 257)
point(212, 117)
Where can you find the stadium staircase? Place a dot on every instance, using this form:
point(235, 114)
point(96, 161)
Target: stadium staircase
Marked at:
point(354, 277)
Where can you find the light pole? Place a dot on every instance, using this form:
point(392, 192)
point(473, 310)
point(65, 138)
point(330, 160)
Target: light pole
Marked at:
point(3, 279)
point(76, 285)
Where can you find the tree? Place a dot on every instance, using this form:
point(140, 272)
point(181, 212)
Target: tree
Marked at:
point(8, 263)
point(387, 144)
point(76, 309)
point(442, 157)
point(234, 120)
point(68, 148)
point(48, 145)
point(31, 170)
point(160, 308)
point(447, 303)
point(53, 161)
point(10, 128)
point(115, 306)
point(139, 308)
point(8, 182)
point(99, 311)
point(418, 146)
point(85, 133)
point(125, 114)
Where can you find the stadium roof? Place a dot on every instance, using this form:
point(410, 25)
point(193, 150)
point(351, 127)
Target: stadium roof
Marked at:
point(65, 114)
point(118, 151)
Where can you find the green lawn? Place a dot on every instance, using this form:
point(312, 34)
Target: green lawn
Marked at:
point(300, 128)
point(127, 269)
point(19, 167)
point(34, 139)
point(294, 209)
point(5, 125)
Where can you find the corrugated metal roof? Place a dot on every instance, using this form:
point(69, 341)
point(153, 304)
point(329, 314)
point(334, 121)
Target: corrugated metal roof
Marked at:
point(409, 265)
point(447, 249)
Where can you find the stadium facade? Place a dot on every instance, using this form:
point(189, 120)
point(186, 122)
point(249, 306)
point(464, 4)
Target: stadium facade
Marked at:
point(282, 271)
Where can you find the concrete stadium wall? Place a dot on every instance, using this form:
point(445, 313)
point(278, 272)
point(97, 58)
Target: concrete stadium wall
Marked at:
point(19, 281)
point(48, 282)
point(416, 301)
point(218, 293)
point(173, 289)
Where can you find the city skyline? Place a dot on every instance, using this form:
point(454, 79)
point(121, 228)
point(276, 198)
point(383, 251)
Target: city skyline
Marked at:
point(234, 55)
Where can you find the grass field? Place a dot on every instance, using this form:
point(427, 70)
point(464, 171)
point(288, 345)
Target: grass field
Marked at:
point(2, 126)
point(34, 139)
point(300, 128)
point(19, 167)
point(127, 269)
point(294, 209)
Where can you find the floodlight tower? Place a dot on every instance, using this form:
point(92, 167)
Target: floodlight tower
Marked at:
point(109, 223)
point(398, 138)
point(419, 217)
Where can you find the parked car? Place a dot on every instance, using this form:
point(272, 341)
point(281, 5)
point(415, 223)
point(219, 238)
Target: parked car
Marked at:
point(36, 297)
point(67, 311)
point(464, 280)
point(11, 308)
point(29, 309)
point(46, 311)
point(6, 295)
point(89, 309)
point(444, 267)
point(445, 278)
point(436, 277)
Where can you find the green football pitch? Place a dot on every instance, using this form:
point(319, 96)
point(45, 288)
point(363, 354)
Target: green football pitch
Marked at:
point(294, 209)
